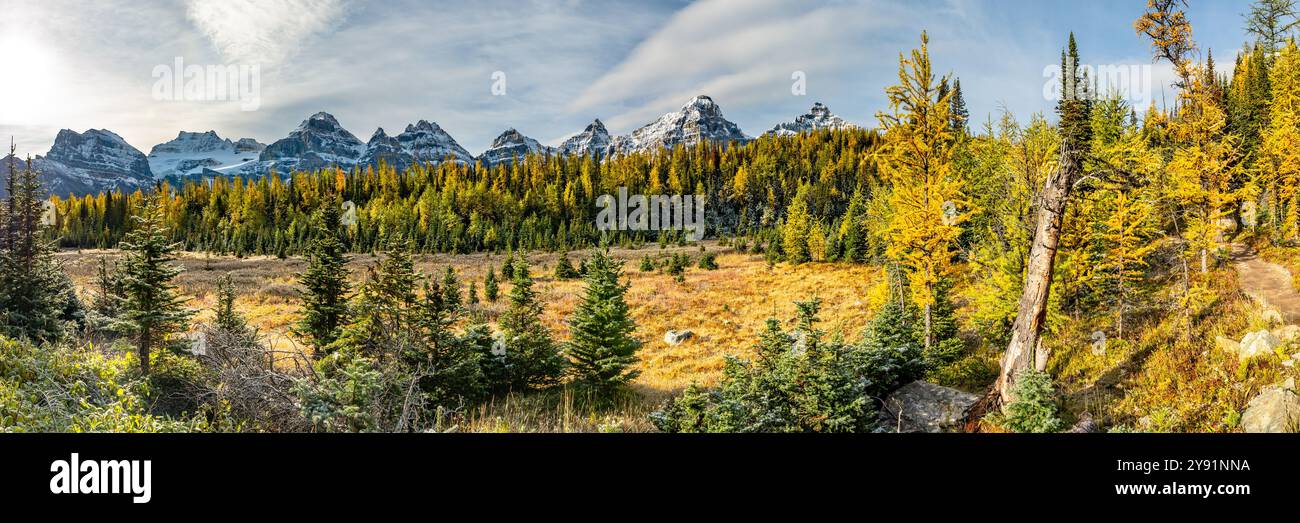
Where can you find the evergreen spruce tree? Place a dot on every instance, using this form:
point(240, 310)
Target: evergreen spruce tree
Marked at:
point(508, 266)
point(225, 316)
point(229, 323)
point(451, 289)
point(109, 295)
point(33, 288)
point(602, 347)
point(381, 315)
point(471, 297)
point(448, 369)
point(154, 312)
point(564, 269)
point(532, 359)
point(325, 299)
point(960, 114)
point(853, 241)
point(490, 289)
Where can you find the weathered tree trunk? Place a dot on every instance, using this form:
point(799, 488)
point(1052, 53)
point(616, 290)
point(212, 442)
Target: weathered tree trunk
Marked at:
point(929, 329)
point(1023, 350)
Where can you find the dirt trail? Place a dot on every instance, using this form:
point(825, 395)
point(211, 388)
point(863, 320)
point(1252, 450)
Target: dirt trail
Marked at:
point(1267, 282)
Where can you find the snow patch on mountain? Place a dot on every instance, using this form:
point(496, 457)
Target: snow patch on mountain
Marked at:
point(192, 153)
point(425, 141)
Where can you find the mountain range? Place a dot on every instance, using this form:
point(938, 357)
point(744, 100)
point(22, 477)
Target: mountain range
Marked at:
point(99, 160)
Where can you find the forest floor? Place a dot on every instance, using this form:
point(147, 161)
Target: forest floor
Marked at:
point(724, 308)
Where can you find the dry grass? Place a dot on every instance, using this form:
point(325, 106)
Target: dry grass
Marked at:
point(724, 308)
point(1157, 380)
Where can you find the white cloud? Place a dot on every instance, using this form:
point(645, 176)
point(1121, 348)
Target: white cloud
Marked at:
point(741, 52)
point(253, 31)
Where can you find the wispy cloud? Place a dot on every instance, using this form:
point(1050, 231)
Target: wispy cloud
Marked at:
point(567, 61)
point(742, 52)
point(253, 31)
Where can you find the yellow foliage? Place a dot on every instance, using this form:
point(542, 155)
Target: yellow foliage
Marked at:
point(916, 157)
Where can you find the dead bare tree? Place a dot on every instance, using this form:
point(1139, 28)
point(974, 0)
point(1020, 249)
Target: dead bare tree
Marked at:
point(1025, 348)
point(246, 378)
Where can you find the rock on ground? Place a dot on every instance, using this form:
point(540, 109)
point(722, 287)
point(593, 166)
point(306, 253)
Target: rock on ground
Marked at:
point(925, 407)
point(1275, 410)
point(1258, 343)
point(676, 337)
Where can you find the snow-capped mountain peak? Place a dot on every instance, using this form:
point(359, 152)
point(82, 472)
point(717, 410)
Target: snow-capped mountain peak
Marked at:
point(699, 120)
point(426, 141)
point(194, 153)
point(594, 139)
point(95, 160)
point(818, 117)
point(318, 142)
point(512, 144)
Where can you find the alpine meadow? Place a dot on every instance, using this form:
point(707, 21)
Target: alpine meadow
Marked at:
point(1104, 263)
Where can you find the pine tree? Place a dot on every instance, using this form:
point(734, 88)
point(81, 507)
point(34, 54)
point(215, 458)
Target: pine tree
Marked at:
point(225, 316)
point(154, 312)
point(448, 368)
point(960, 114)
point(490, 289)
point(325, 283)
point(853, 242)
point(647, 264)
point(451, 288)
point(798, 223)
point(1277, 164)
point(532, 359)
point(1129, 240)
point(34, 291)
point(109, 294)
point(471, 297)
point(926, 194)
point(385, 307)
point(230, 326)
point(602, 347)
point(564, 269)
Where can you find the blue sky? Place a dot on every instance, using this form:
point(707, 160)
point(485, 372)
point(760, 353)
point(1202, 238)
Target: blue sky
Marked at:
point(566, 62)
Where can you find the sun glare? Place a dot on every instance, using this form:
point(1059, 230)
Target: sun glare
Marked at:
point(29, 91)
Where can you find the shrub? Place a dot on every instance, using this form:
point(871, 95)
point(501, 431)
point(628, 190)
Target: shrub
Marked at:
point(564, 269)
point(797, 383)
point(81, 389)
point(709, 261)
point(1034, 409)
point(676, 266)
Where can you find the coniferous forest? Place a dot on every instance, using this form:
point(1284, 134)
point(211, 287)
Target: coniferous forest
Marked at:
point(1101, 268)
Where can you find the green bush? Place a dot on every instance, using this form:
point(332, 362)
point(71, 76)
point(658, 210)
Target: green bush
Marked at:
point(82, 389)
point(1034, 409)
point(709, 261)
point(797, 383)
point(676, 266)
